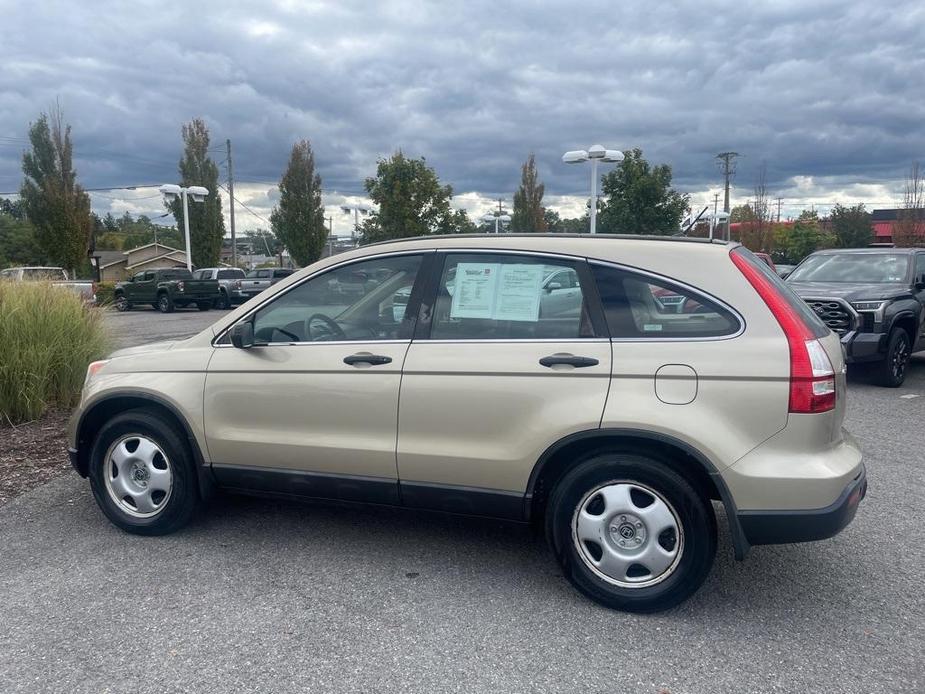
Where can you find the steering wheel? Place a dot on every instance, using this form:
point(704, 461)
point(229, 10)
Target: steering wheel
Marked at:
point(334, 329)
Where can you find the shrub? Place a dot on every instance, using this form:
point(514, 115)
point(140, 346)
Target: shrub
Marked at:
point(104, 293)
point(48, 335)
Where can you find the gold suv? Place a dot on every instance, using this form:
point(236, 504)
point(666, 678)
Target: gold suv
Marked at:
point(610, 388)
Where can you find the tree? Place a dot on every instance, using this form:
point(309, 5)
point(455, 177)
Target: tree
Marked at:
point(806, 236)
point(53, 201)
point(557, 225)
point(638, 199)
point(742, 213)
point(411, 201)
point(851, 226)
point(298, 220)
point(18, 244)
point(206, 223)
point(909, 229)
point(529, 213)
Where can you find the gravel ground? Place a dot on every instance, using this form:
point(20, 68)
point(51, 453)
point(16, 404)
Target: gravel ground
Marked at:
point(260, 596)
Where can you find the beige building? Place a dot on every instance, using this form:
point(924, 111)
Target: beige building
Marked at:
point(153, 256)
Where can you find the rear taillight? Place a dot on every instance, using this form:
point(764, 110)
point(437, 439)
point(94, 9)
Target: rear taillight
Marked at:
point(812, 378)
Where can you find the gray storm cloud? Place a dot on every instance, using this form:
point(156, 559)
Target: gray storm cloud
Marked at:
point(826, 91)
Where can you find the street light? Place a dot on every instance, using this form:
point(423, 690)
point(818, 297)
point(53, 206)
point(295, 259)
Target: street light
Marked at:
point(497, 219)
point(594, 154)
point(357, 211)
point(171, 191)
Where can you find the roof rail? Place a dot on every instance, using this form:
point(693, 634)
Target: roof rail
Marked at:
point(631, 237)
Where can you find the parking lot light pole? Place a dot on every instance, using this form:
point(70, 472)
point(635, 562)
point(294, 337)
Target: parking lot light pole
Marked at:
point(171, 192)
point(497, 219)
point(594, 154)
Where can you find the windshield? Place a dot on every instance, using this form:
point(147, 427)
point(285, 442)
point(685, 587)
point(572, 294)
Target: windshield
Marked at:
point(854, 268)
point(43, 273)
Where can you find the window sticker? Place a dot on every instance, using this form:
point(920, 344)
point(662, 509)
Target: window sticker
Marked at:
point(474, 290)
point(495, 291)
point(518, 295)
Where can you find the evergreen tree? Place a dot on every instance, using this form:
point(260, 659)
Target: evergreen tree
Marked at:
point(206, 223)
point(529, 213)
point(298, 220)
point(851, 226)
point(53, 201)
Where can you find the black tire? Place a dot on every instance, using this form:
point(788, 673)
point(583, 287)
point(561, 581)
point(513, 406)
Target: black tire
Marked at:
point(223, 302)
point(165, 303)
point(891, 372)
point(692, 512)
point(179, 505)
point(204, 305)
point(122, 304)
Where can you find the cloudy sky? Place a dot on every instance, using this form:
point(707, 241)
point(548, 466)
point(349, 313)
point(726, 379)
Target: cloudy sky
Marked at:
point(829, 95)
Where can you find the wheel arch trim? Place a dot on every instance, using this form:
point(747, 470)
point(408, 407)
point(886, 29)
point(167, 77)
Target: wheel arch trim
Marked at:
point(203, 470)
point(739, 541)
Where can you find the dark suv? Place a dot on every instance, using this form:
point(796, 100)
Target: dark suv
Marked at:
point(873, 299)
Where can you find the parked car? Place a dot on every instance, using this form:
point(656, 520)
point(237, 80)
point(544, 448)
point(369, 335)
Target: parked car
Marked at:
point(873, 299)
point(229, 284)
point(166, 290)
point(784, 270)
point(85, 289)
point(613, 427)
point(257, 280)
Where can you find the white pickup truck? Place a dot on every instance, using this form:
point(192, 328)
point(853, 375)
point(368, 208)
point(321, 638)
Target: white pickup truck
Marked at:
point(56, 275)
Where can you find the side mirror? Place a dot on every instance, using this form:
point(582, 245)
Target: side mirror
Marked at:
point(242, 335)
point(920, 281)
point(552, 286)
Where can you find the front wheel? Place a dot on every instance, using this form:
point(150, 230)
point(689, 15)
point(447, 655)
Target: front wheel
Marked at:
point(891, 372)
point(123, 304)
point(630, 533)
point(204, 305)
point(165, 303)
point(142, 474)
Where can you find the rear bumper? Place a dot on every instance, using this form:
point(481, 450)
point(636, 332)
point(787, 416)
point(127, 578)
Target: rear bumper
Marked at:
point(780, 527)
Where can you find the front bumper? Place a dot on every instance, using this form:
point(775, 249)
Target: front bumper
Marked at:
point(781, 527)
point(864, 347)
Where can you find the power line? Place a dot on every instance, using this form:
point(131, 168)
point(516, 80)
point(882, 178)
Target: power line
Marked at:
point(258, 216)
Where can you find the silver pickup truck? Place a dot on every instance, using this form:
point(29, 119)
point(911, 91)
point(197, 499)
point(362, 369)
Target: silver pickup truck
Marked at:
point(258, 280)
point(229, 284)
point(85, 289)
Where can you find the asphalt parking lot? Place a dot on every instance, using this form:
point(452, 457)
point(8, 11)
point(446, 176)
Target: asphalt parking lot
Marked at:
point(267, 596)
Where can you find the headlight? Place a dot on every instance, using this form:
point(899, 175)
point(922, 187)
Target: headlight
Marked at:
point(868, 305)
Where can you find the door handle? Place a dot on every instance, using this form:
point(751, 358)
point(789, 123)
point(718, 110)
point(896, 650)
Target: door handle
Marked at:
point(372, 359)
point(568, 360)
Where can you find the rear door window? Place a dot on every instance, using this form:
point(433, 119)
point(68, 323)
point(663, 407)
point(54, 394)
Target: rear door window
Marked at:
point(509, 297)
point(642, 306)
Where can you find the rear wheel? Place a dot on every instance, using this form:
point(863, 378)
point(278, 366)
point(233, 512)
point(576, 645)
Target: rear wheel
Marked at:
point(630, 533)
point(204, 305)
point(142, 474)
point(165, 303)
point(891, 372)
point(223, 302)
point(123, 304)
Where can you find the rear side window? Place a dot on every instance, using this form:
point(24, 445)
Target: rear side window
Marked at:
point(639, 306)
point(509, 297)
point(230, 274)
point(813, 322)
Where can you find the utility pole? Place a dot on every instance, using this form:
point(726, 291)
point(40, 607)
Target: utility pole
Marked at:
point(715, 202)
point(234, 240)
point(330, 236)
point(729, 169)
point(778, 209)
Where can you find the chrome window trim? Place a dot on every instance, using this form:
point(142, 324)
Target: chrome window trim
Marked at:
point(683, 285)
point(221, 335)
